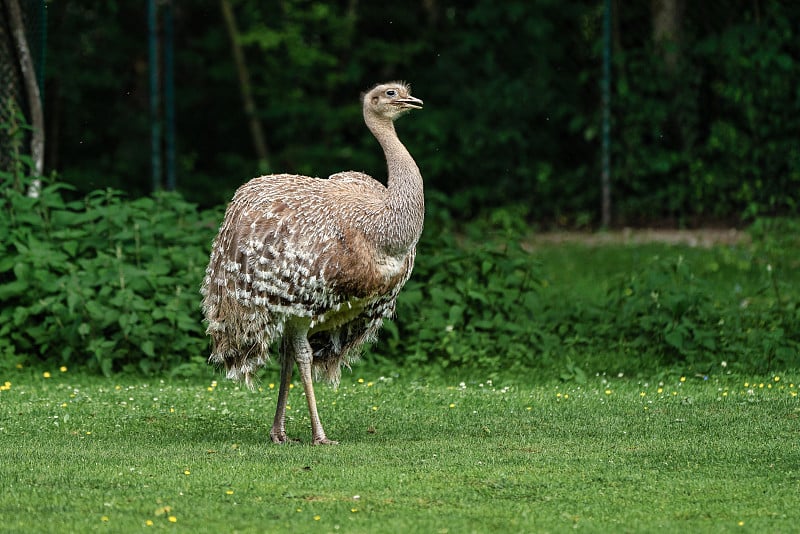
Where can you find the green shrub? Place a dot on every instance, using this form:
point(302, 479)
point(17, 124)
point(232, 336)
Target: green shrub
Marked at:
point(489, 307)
point(104, 282)
point(670, 310)
point(111, 285)
point(665, 307)
point(466, 307)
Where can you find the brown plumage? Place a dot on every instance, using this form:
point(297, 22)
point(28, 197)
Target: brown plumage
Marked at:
point(315, 263)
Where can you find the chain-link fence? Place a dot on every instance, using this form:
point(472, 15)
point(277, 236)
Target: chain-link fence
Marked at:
point(16, 100)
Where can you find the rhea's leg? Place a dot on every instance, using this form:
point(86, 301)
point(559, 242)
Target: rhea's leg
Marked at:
point(304, 357)
point(278, 432)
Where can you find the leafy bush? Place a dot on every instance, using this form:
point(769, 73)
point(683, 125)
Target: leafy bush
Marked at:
point(468, 308)
point(489, 307)
point(665, 306)
point(112, 284)
point(104, 282)
point(669, 310)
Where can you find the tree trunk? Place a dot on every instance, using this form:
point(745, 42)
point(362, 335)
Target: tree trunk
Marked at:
point(667, 30)
point(32, 91)
point(245, 87)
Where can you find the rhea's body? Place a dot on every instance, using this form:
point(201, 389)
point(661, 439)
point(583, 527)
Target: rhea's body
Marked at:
point(317, 263)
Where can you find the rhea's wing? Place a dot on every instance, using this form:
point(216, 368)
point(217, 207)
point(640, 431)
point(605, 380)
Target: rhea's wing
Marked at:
point(342, 345)
point(264, 267)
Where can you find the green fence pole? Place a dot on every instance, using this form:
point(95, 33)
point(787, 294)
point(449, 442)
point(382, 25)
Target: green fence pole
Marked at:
point(169, 95)
point(155, 123)
point(606, 133)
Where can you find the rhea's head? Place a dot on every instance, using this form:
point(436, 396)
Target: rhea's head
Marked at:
point(390, 100)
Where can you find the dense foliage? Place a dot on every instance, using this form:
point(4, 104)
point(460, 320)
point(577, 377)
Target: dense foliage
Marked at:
point(490, 306)
point(103, 283)
point(111, 284)
point(705, 130)
point(713, 136)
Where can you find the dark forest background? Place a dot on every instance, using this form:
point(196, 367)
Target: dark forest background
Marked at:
point(705, 101)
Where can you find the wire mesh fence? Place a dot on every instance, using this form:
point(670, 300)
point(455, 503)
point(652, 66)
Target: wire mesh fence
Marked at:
point(703, 106)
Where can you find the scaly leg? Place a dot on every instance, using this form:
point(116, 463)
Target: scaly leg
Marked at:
point(304, 357)
point(278, 432)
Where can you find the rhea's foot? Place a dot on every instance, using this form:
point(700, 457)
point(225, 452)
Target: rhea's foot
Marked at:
point(279, 437)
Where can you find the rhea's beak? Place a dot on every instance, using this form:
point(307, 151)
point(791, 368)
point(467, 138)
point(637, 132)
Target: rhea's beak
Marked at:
point(410, 102)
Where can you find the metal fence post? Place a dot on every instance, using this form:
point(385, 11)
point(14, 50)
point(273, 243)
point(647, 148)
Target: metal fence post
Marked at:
point(606, 127)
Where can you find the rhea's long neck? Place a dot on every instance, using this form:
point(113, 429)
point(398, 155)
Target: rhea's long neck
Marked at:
point(401, 227)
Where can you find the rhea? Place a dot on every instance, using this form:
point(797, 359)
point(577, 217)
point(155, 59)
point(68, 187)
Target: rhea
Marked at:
point(314, 265)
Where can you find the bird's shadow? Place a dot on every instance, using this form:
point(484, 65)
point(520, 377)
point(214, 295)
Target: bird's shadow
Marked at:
point(214, 429)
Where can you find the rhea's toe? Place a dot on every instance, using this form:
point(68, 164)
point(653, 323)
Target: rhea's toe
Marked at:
point(279, 436)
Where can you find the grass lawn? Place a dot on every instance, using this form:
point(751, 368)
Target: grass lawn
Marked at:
point(614, 454)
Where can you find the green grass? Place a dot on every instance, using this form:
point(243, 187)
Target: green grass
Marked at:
point(612, 454)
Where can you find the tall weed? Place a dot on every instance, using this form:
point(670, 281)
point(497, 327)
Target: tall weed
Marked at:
point(467, 307)
point(104, 282)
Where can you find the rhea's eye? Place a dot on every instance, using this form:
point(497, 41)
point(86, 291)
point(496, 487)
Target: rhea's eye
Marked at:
point(391, 92)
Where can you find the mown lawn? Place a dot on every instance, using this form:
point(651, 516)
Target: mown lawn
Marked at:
point(612, 454)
